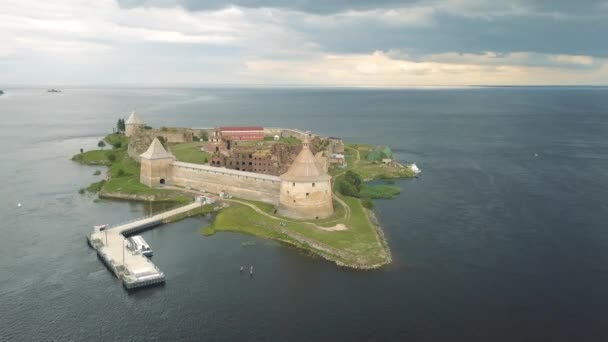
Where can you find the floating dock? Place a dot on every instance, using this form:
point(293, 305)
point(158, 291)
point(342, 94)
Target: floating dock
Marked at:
point(133, 268)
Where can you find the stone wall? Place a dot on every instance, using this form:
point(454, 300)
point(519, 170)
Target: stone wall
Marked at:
point(247, 185)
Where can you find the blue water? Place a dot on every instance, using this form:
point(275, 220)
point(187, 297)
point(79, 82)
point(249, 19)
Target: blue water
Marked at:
point(503, 238)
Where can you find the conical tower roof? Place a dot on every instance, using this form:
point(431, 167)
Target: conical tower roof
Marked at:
point(134, 119)
point(156, 151)
point(305, 167)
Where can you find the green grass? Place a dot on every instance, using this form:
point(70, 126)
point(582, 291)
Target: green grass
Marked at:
point(96, 187)
point(116, 138)
point(243, 219)
point(379, 191)
point(94, 157)
point(190, 153)
point(208, 231)
point(360, 243)
point(284, 140)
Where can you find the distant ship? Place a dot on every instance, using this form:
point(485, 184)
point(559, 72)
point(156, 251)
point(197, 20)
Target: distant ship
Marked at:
point(53, 91)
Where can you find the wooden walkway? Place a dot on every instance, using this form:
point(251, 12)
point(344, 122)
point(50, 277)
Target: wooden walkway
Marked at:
point(134, 269)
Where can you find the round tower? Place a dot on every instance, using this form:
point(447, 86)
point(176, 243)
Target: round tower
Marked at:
point(155, 165)
point(133, 124)
point(305, 188)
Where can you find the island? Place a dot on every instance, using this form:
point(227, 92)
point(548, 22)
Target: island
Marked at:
point(302, 189)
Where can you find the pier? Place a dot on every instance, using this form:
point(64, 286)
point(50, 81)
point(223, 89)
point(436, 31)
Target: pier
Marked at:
point(133, 268)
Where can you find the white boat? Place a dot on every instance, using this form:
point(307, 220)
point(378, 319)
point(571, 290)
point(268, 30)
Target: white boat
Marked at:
point(137, 243)
point(415, 168)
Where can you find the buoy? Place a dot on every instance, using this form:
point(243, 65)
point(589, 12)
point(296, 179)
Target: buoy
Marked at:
point(19, 205)
point(536, 154)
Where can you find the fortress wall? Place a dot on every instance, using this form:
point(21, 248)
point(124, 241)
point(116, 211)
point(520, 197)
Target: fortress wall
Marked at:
point(241, 184)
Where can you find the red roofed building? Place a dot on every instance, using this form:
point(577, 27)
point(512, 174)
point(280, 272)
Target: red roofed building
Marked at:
point(239, 133)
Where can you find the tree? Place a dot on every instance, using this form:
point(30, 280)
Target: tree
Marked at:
point(120, 125)
point(101, 144)
point(205, 160)
point(81, 150)
point(112, 157)
point(117, 144)
point(350, 184)
point(354, 179)
point(204, 135)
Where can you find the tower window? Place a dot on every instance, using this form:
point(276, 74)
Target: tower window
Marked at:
point(313, 185)
point(294, 201)
point(293, 184)
point(307, 194)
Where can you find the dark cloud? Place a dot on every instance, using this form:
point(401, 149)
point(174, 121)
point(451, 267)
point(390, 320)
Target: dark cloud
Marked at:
point(450, 33)
point(541, 26)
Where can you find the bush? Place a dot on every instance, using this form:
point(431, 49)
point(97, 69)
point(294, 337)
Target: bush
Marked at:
point(81, 191)
point(96, 173)
point(112, 157)
point(120, 173)
point(101, 144)
point(367, 203)
point(96, 187)
point(117, 144)
point(208, 231)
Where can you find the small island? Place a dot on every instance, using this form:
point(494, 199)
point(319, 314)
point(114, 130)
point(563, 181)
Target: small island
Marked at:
point(297, 187)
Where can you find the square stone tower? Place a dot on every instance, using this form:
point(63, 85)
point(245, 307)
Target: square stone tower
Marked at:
point(156, 165)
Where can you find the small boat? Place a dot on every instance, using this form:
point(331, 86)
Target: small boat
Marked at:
point(137, 243)
point(415, 168)
point(53, 91)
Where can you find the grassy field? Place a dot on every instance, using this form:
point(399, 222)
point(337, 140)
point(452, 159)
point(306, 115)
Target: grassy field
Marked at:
point(94, 157)
point(358, 246)
point(243, 219)
point(190, 153)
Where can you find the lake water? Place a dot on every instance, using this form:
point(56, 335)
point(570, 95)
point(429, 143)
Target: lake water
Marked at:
point(503, 238)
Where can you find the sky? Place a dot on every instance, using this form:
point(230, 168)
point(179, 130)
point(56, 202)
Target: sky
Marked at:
point(304, 42)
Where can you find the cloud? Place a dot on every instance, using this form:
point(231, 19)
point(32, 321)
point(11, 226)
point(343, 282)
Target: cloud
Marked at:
point(279, 41)
point(380, 68)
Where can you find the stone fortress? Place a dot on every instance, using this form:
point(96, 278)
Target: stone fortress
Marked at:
point(303, 191)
